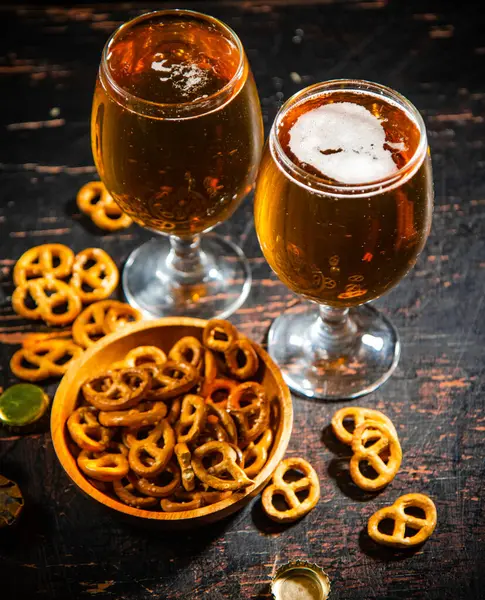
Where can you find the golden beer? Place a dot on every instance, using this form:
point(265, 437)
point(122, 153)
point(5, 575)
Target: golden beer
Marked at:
point(176, 126)
point(345, 235)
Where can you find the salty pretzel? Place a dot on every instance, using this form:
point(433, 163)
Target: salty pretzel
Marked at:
point(357, 415)
point(182, 501)
point(90, 324)
point(93, 199)
point(172, 379)
point(48, 295)
point(387, 441)
point(118, 315)
point(216, 475)
point(188, 349)
point(160, 456)
point(249, 406)
point(256, 454)
point(50, 358)
point(146, 413)
point(192, 419)
point(101, 277)
point(219, 335)
point(280, 487)
point(242, 350)
point(145, 355)
point(39, 262)
point(116, 390)
point(174, 412)
point(397, 513)
point(159, 487)
point(220, 417)
point(127, 493)
point(32, 339)
point(86, 431)
point(184, 457)
point(210, 367)
point(103, 466)
point(218, 391)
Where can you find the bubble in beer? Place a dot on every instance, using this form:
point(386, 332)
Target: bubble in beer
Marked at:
point(343, 141)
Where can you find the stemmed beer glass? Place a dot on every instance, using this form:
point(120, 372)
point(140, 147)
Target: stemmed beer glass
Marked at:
point(343, 208)
point(176, 137)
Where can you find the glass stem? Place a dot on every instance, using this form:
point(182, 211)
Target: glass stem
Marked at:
point(186, 260)
point(334, 329)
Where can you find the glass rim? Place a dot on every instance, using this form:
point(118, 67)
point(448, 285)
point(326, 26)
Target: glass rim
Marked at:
point(231, 34)
point(301, 177)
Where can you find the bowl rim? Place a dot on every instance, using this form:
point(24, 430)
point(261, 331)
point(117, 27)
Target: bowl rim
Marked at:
point(229, 505)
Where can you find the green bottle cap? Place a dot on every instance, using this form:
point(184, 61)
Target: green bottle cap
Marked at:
point(23, 404)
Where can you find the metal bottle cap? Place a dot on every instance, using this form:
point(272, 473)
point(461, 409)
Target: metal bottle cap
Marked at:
point(22, 404)
point(300, 580)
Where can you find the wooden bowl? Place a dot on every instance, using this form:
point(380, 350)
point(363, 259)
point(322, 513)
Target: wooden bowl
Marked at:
point(163, 333)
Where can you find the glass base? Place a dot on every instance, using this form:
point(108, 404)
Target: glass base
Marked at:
point(318, 364)
point(219, 287)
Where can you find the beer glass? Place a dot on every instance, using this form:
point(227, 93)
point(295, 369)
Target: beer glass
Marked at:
point(177, 137)
point(343, 208)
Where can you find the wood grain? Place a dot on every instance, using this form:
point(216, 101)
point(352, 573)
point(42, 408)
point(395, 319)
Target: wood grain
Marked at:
point(433, 51)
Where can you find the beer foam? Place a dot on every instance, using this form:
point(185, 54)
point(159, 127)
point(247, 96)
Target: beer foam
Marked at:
point(344, 141)
point(186, 77)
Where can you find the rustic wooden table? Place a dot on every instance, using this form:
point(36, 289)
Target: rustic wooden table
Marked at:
point(433, 51)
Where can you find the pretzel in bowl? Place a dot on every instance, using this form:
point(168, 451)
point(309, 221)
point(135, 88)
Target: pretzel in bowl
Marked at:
point(162, 485)
point(49, 358)
point(145, 413)
point(172, 379)
point(54, 301)
point(184, 459)
point(93, 200)
point(158, 445)
point(143, 356)
point(256, 453)
point(86, 430)
point(130, 495)
point(220, 424)
point(192, 419)
point(116, 390)
point(110, 465)
point(91, 324)
point(224, 474)
point(47, 260)
point(218, 391)
point(384, 455)
point(94, 275)
point(289, 489)
point(182, 500)
point(422, 526)
point(188, 349)
point(219, 335)
point(356, 415)
point(242, 360)
point(250, 408)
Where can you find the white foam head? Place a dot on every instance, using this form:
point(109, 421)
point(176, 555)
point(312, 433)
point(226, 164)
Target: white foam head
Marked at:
point(344, 141)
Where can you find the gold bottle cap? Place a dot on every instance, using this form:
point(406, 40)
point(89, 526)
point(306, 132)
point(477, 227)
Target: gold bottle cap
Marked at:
point(300, 580)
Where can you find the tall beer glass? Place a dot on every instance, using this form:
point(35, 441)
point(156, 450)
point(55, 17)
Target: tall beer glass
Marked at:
point(343, 208)
point(177, 137)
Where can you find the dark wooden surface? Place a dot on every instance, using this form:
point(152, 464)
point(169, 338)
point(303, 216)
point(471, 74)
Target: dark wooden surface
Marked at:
point(66, 546)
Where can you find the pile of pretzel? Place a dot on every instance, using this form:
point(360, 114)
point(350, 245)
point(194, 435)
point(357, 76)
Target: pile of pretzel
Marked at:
point(375, 444)
point(179, 431)
point(52, 285)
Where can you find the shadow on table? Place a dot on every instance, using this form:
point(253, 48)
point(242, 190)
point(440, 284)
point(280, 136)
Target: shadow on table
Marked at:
point(264, 524)
point(264, 593)
point(384, 553)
